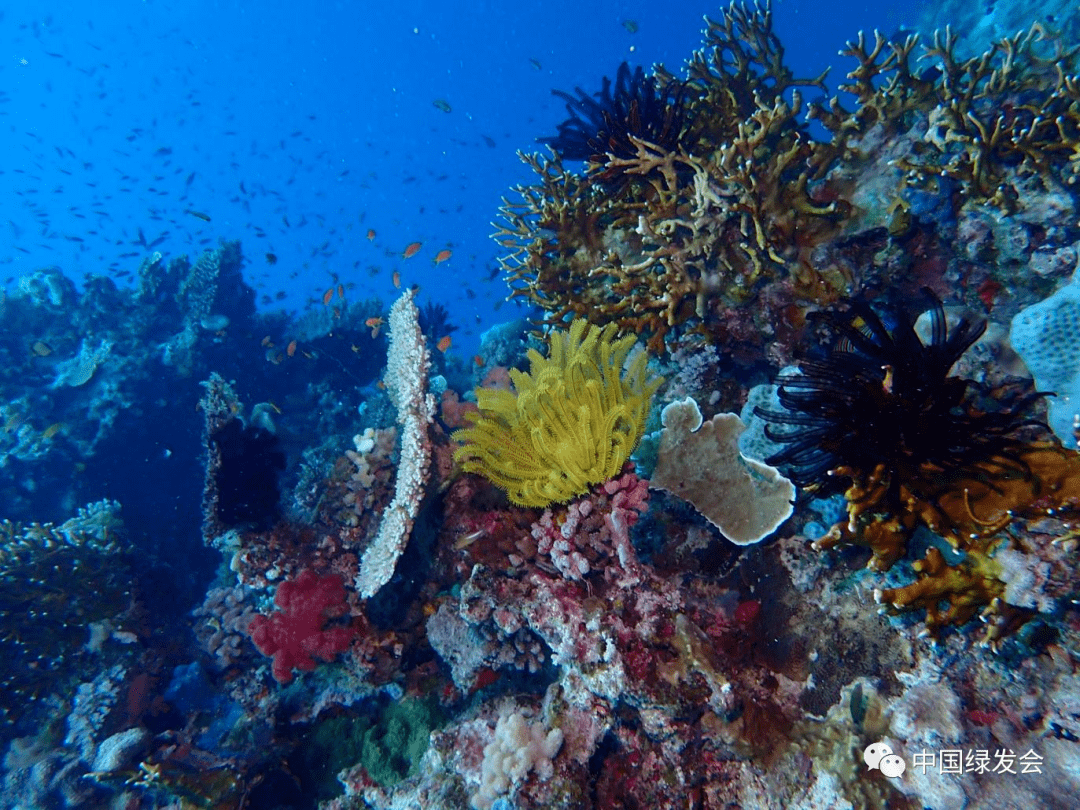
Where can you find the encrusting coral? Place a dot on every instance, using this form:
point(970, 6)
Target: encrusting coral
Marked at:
point(572, 422)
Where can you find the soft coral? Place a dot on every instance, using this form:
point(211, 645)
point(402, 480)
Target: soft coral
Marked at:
point(294, 635)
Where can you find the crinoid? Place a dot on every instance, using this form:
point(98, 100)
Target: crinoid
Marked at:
point(646, 108)
point(878, 417)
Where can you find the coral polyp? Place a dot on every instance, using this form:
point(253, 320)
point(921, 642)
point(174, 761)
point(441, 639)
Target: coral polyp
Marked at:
point(604, 125)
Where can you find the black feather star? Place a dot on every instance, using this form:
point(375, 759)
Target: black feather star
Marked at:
point(880, 402)
point(602, 124)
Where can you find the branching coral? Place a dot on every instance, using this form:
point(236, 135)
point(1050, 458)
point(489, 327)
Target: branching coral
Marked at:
point(1011, 109)
point(573, 421)
point(698, 223)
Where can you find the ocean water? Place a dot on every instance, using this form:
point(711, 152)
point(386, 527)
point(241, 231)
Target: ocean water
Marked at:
point(250, 292)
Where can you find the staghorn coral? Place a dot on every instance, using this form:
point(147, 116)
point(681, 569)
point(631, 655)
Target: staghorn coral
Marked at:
point(983, 121)
point(573, 421)
point(695, 228)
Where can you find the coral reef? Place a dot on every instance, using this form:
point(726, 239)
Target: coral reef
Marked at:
point(701, 221)
point(879, 417)
point(554, 620)
point(295, 635)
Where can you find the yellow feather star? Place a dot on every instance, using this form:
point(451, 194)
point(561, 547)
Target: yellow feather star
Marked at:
point(573, 422)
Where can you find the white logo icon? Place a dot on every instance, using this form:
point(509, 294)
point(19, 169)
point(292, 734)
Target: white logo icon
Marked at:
point(879, 756)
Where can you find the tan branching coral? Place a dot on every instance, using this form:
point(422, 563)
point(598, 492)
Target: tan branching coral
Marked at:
point(690, 231)
point(971, 513)
point(1010, 112)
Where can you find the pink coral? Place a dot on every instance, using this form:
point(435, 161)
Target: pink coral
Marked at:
point(294, 635)
point(596, 528)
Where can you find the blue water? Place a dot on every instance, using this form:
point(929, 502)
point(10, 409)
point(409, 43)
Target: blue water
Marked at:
point(298, 127)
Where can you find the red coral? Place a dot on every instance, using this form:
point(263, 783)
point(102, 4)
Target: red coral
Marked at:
point(294, 635)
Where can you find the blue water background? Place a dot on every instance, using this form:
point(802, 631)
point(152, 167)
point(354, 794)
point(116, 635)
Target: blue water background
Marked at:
point(297, 127)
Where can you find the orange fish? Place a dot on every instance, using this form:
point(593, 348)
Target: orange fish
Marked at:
point(290, 350)
point(443, 344)
point(267, 342)
point(341, 290)
point(478, 360)
point(375, 324)
point(397, 279)
point(327, 296)
point(371, 235)
point(442, 256)
point(412, 249)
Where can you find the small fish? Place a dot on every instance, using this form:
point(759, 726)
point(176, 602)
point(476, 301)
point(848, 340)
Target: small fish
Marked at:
point(267, 342)
point(273, 405)
point(631, 26)
point(478, 360)
point(371, 234)
point(442, 256)
point(41, 348)
point(52, 430)
point(397, 280)
point(536, 64)
point(411, 249)
point(374, 324)
point(199, 214)
point(271, 259)
point(444, 344)
point(290, 350)
point(327, 296)
point(442, 104)
point(341, 290)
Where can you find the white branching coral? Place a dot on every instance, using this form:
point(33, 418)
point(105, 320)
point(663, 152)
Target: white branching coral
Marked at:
point(407, 365)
